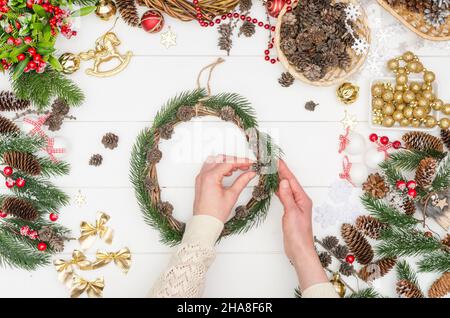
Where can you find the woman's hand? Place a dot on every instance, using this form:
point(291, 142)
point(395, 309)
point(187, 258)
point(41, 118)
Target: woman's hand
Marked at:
point(297, 229)
point(211, 197)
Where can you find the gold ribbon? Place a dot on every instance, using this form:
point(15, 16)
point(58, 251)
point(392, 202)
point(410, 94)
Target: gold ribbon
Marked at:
point(89, 232)
point(94, 288)
point(121, 258)
point(65, 268)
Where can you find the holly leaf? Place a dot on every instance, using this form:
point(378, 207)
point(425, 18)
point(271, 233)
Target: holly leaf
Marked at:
point(83, 11)
point(39, 10)
point(18, 51)
point(55, 63)
point(18, 69)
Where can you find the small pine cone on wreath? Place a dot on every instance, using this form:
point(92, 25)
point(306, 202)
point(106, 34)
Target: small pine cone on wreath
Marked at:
point(154, 155)
point(426, 172)
point(150, 184)
point(24, 161)
point(8, 127)
point(165, 208)
point(421, 141)
point(377, 270)
point(376, 186)
point(357, 244)
point(19, 208)
point(440, 287)
point(445, 136)
point(128, 12)
point(407, 289)
point(45, 233)
point(227, 113)
point(370, 226)
point(241, 212)
point(166, 131)
point(330, 242)
point(110, 140)
point(259, 193)
point(286, 79)
point(96, 160)
point(346, 269)
point(9, 102)
point(341, 251)
point(325, 259)
point(185, 113)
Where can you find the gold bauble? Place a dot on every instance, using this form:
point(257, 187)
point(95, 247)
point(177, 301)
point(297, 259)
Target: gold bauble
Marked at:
point(401, 70)
point(377, 103)
point(428, 95)
point(408, 56)
point(388, 96)
point(408, 112)
point(430, 121)
point(419, 67)
point(429, 76)
point(422, 102)
point(398, 97)
point(444, 123)
point(388, 109)
point(106, 9)
point(437, 104)
point(70, 63)
point(409, 96)
point(400, 88)
point(415, 123)
point(427, 87)
point(404, 122)
point(393, 64)
point(338, 285)
point(402, 79)
point(419, 112)
point(348, 93)
point(413, 67)
point(377, 90)
point(427, 110)
point(446, 109)
point(397, 115)
point(415, 87)
point(401, 107)
point(388, 121)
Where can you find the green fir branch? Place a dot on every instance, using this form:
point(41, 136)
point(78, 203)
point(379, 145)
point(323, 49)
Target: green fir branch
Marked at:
point(405, 272)
point(442, 180)
point(51, 168)
point(409, 160)
point(22, 143)
point(391, 172)
point(365, 293)
point(438, 261)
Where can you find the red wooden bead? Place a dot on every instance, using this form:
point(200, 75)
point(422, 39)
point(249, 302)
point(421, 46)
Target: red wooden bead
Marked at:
point(373, 137)
point(266, 57)
point(255, 20)
point(267, 26)
point(218, 21)
point(229, 15)
point(266, 52)
point(384, 140)
point(223, 17)
point(235, 15)
point(260, 23)
point(211, 23)
point(396, 144)
point(273, 61)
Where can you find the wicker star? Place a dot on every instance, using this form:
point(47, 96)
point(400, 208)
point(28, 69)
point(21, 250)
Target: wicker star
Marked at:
point(441, 204)
point(168, 39)
point(349, 121)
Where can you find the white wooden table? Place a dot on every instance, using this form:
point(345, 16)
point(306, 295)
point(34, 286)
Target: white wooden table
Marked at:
point(248, 265)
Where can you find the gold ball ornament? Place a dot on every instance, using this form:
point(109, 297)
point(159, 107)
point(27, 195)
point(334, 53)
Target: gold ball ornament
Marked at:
point(388, 109)
point(402, 79)
point(398, 97)
point(415, 87)
point(401, 107)
point(427, 87)
point(430, 122)
point(106, 9)
point(338, 285)
point(400, 88)
point(388, 96)
point(415, 123)
point(413, 67)
point(70, 63)
point(348, 93)
point(398, 115)
point(409, 96)
point(429, 76)
point(393, 64)
point(444, 123)
point(446, 109)
point(423, 102)
point(388, 121)
point(428, 95)
point(404, 122)
point(438, 104)
point(377, 103)
point(408, 112)
point(402, 70)
point(408, 56)
point(377, 90)
point(419, 112)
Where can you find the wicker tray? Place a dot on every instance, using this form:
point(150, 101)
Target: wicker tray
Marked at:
point(416, 23)
point(335, 75)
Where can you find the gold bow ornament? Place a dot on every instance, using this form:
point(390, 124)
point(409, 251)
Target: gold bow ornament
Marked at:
point(121, 258)
point(89, 232)
point(65, 268)
point(94, 288)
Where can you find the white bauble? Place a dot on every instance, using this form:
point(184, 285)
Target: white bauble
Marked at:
point(358, 173)
point(356, 144)
point(373, 158)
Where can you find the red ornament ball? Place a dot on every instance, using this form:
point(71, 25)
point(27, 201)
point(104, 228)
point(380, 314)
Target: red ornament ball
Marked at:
point(3, 215)
point(8, 171)
point(274, 7)
point(152, 21)
point(396, 144)
point(42, 246)
point(412, 193)
point(373, 137)
point(53, 217)
point(350, 259)
point(411, 184)
point(401, 185)
point(20, 182)
point(384, 140)
point(9, 183)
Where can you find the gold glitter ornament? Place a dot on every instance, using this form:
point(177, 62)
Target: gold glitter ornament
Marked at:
point(388, 121)
point(398, 97)
point(401, 70)
point(413, 67)
point(428, 95)
point(377, 103)
point(404, 122)
point(70, 63)
point(401, 107)
point(415, 123)
point(430, 122)
point(415, 87)
point(444, 123)
point(397, 115)
point(377, 90)
point(400, 88)
point(423, 102)
point(408, 112)
point(429, 77)
point(446, 109)
point(393, 64)
point(408, 96)
point(402, 79)
point(419, 112)
point(437, 104)
point(408, 56)
point(388, 109)
point(348, 93)
point(377, 117)
point(388, 96)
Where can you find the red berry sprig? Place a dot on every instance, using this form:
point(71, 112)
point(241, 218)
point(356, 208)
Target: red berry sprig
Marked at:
point(384, 141)
point(10, 182)
point(42, 246)
point(409, 187)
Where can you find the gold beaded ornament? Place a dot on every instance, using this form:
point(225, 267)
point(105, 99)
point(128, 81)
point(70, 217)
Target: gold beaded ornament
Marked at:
point(408, 103)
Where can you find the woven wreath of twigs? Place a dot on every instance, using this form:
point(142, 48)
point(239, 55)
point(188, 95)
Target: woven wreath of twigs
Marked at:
point(182, 108)
point(185, 10)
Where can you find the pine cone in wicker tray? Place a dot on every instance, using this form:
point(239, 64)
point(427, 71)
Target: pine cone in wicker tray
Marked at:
point(376, 186)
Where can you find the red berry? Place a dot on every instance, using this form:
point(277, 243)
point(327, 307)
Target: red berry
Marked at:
point(31, 65)
point(373, 137)
point(396, 144)
point(412, 193)
point(18, 26)
point(411, 184)
point(53, 217)
point(3, 215)
point(18, 41)
point(27, 39)
point(8, 171)
point(21, 57)
point(42, 246)
point(10, 41)
point(37, 58)
point(20, 182)
point(9, 183)
point(384, 140)
point(401, 185)
point(31, 50)
point(350, 259)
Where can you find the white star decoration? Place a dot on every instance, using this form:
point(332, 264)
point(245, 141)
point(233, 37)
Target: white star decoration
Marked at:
point(79, 200)
point(168, 38)
point(349, 121)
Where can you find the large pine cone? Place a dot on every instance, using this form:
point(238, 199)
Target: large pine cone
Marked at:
point(24, 161)
point(19, 208)
point(440, 287)
point(9, 102)
point(8, 127)
point(357, 244)
point(420, 141)
point(376, 186)
point(377, 270)
point(407, 289)
point(369, 226)
point(445, 136)
point(128, 12)
point(426, 172)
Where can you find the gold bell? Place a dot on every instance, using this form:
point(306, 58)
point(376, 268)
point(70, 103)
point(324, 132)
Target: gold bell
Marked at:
point(70, 63)
point(106, 9)
point(338, 285)
point(348, 93)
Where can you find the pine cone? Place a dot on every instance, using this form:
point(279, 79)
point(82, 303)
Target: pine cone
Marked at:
point(45, 233)
point(56, 243)
point(409, 207)
point(8, 127)
point(330, 242)
point(346, 269)
point(128, 12)
point(9, 102)
point(247, 29)
point(445, 136)
point(19, 208)
point(60, 107)
point(225, 40)
point(227, 113)
point(407, 289)
point(357, 244)
point(440, 287)
point(311, 105)
point(151, 184)
point(369, 226)
point(110, 140)
point(96, 160)
point(154, 156)
point(376, 186)
point(426, 172)
point(377, 270)
point(325, 259)
point(26, 162)
point(165, 208)
point(166, 131)
point(446, 240)
point(185, 113)
point(54, 122)
point(286, 79)
point(341, 251)
point(245, 5)
point(289, 46)
point(289, 18)
point(259, 193)
point(241, 212)
point(420, 141)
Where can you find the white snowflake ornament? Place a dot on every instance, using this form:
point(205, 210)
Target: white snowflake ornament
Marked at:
point(352, 12)
point(360, 46)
